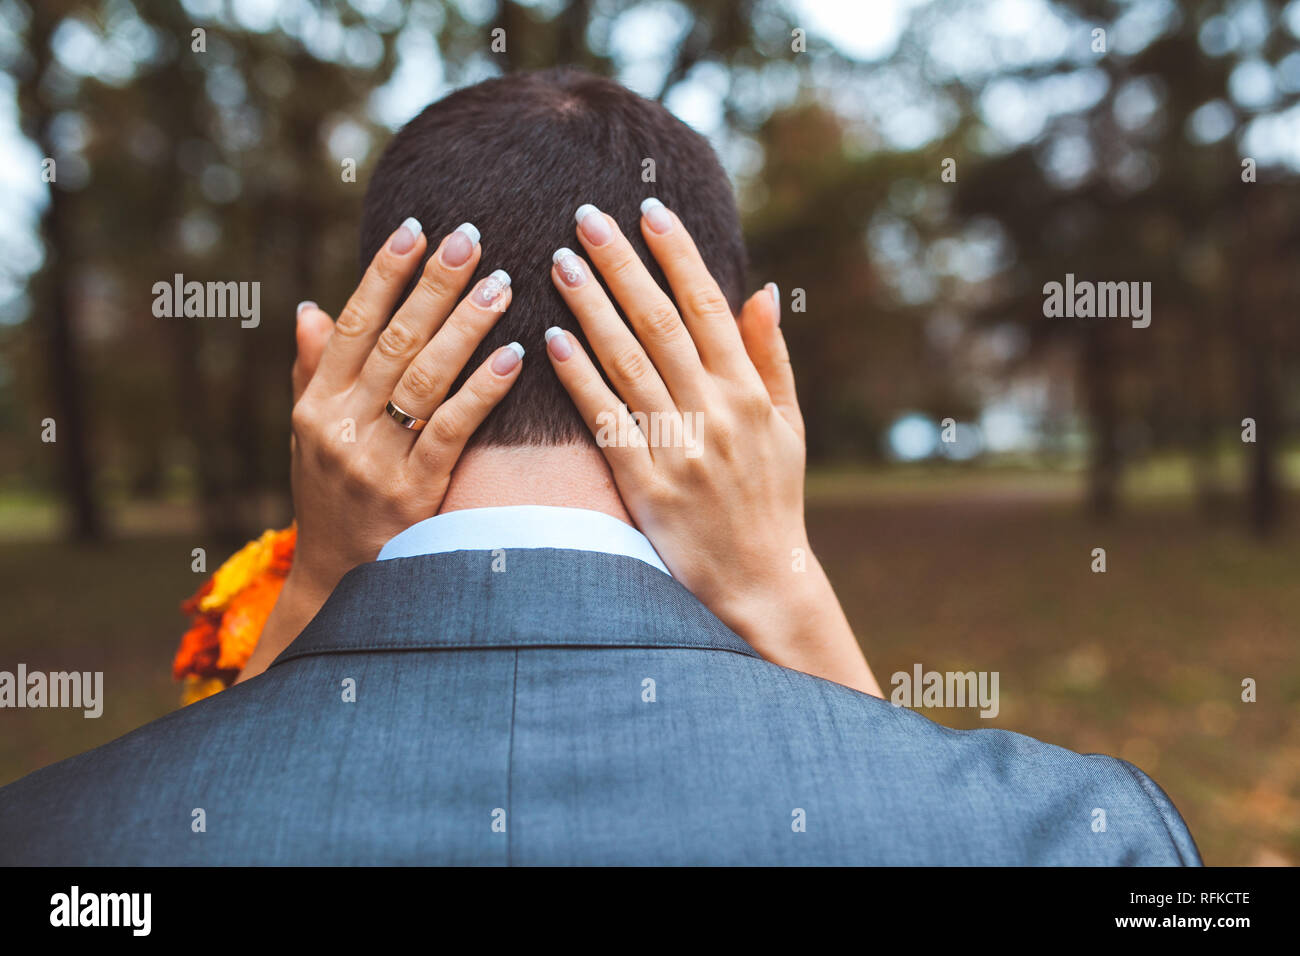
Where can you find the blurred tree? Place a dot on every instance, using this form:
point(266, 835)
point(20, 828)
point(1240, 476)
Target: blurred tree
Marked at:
point(1152, 206)
point(65, 379)
point(227, 162)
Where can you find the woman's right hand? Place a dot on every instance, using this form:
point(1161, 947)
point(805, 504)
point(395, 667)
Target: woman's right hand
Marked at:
point(717, 483)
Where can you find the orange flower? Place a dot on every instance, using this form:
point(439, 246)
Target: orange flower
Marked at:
point(282, 548)
point(239, 570)
point(199, 649)
point(228, 612)
point(191, 604)
point(196, 688)
point(244, 618)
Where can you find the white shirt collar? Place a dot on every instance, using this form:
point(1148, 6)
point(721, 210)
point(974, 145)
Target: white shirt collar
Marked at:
point(522, 526)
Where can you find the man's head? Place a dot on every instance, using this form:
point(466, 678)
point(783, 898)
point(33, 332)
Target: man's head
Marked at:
point(516, 156)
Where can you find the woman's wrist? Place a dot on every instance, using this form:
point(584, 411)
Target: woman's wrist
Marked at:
point(310, 580)
point(797, 622)
point(305, 591)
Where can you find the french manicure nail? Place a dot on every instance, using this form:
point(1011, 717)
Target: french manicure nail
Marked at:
point(508, 358)
point(656, 215)
point(570, 267)
point(404, 239)
point(776, 299)
point(558, 343)
point(305, 304)
point(593, 224)
point(460, 245)
point(490, 289)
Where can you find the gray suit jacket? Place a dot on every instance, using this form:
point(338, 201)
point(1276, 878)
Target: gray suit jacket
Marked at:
point(575, 708)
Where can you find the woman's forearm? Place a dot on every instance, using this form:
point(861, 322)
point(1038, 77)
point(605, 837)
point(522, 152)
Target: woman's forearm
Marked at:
point(800, 624)
point(298, 603)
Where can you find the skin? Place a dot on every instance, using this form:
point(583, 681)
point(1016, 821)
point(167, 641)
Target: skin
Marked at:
point(563, 476)
point(725, 515)
point(351, 496)
point(728, 521)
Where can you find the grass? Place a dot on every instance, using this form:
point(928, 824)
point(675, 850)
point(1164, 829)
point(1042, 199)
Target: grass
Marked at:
point(1145, 661)
point(971, 571)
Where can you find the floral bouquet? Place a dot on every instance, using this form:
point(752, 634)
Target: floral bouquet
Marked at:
point(227, 614)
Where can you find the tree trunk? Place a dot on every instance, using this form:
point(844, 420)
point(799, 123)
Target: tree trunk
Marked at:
point(54, 314)
point(1098, 377)
point(66, 377)
point(1253, 302)
point(1264, 494)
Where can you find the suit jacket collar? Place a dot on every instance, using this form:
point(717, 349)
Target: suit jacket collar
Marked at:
point(543, 597)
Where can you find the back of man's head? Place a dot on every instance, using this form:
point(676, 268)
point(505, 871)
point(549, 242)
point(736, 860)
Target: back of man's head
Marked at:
point(516, 156)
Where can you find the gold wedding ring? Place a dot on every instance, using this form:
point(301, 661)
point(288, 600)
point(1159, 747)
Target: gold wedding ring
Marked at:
point(405, 419)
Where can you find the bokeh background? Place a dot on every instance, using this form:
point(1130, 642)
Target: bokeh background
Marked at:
point(1164, 149)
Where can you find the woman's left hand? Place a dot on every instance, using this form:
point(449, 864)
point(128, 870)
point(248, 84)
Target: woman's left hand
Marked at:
point(376, 433)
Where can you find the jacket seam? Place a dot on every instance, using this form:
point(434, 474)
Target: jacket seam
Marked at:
point(289, 655)
point(510, 763)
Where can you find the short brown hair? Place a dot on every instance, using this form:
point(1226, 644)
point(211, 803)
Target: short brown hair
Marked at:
point(515, 156)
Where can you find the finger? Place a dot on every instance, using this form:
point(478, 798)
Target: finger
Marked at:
point(630, 370)
point(313, 330)
point(427, 379)
point(608, 418)
point(647, 307)
point(422, 314)
point(440, 443)
point(703, 307)
point(760, 331)
point(371, 304)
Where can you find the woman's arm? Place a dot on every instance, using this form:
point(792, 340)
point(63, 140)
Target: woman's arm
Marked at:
point(705, 438)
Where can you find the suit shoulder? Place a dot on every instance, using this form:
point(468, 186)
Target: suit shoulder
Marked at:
point(111, 782)
point(1083, 807)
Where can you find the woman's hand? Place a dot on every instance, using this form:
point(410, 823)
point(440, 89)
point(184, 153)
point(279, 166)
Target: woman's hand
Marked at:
point(704, 437)
point(359, 476)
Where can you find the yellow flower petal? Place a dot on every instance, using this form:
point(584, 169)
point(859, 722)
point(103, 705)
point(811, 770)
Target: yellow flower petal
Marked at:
point(196, 688)
point(238, 571)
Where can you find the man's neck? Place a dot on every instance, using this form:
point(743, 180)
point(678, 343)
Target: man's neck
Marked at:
point(570, 476)
point(565, 476)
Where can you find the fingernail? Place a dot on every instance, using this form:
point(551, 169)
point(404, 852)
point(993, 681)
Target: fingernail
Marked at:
point(404, 239)
point(558, 343)
point(656, 216)
point(508, 358)
point(490, 289)
point(592, 224)
point(460, 245)
point(571, 270)
point(305, 304)
point(776, 299)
